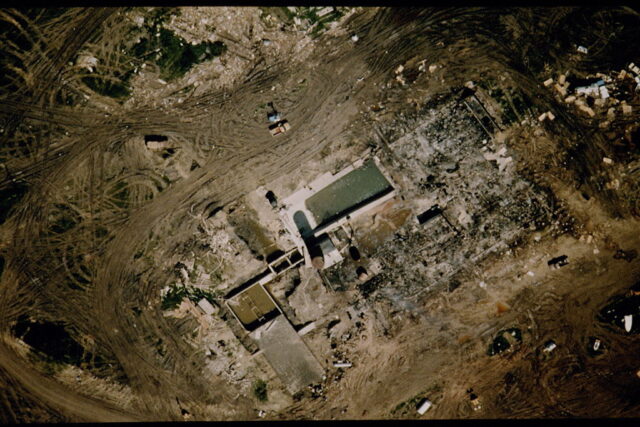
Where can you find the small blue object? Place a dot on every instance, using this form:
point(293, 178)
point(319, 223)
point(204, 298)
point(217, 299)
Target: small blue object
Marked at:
point(600, 83)
point(273, 117)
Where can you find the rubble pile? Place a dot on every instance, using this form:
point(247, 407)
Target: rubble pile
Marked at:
point(601, 95)
point(485, 204)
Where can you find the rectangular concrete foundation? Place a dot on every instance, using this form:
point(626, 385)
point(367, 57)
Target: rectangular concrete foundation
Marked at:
point(288, 354)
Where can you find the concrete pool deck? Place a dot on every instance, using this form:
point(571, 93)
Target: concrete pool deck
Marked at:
point(301, 222)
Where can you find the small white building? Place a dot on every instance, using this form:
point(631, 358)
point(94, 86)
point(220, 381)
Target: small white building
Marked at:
point(206, 306)
point(424, 406)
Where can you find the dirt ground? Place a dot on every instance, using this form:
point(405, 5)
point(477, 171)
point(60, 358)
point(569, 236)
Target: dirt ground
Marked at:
point(103, 221)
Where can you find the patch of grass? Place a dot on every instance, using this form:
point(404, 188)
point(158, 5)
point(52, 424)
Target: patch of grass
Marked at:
point(174, 55)
point(176, 294)
point(260, 390)
point(403, 408)
point(173, 297)
point(111, 88)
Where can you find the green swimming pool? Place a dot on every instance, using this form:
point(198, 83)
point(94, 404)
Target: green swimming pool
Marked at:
point(347, 194)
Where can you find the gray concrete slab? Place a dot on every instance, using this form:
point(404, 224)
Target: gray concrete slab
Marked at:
point(289, 356)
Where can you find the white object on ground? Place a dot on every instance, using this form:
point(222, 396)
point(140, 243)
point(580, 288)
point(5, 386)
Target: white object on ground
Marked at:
point(424, 406)
point(628, 322)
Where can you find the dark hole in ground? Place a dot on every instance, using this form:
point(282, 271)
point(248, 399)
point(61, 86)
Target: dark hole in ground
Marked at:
point(9, 197)
point(272, 199)
point(558, 261)
point(354, 253)
point(156, 138)
point(168, 153)
point(274, 255)
point(213, 209)
point(51, 339)
point(429, 214)
point(501, 342)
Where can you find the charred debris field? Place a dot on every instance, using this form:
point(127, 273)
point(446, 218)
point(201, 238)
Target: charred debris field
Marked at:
point(225, 213)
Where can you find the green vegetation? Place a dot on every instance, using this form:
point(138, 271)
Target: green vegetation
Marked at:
point(513, 102)
point(260, 390)
point(172, 299)
point(409, 406)
point(502, 343)
point(117, 89)
point(173, 55)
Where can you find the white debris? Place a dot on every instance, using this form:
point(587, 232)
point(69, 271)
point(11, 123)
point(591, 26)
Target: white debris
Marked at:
point(604, 93)
point(87, 61)
point(322, 12)
point(266, 42)
point(613, 185)
point(633, 67)
point(549, 347)
point(206, 306)
point(607, 160)
point(550, 115)
point(626, 109)
point(562, 79)
point(342, 365)
point(424, 406)
point(596, 251)
point(587, 110)
point(483, 285)
point(530, 273)
point(583, 49)
point(433, 68)
point(548, 82)
point(399, 69)
point(561, 89)
point(570, 99)
point(354, 38)
point(628, 322)
point(162, 81)
point(311, 326)
point(542, 117)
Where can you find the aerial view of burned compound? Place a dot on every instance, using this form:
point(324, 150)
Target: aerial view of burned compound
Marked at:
point(319, 213)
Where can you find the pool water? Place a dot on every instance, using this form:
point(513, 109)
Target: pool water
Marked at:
point(348, 193)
